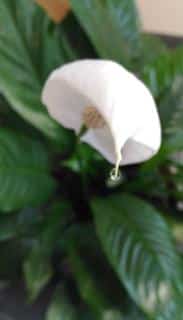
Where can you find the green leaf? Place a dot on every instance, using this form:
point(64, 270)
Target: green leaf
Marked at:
point(37, 271)
point(24, 172)
point(176, 117)
point(152, 47)
point(95, 279)
point(88, 286)
point(74, 31)
point(139, 246)
point(61, 308)
point(84, 160)
point(37, 267)
point(58, 216)
point(171, 113)
point(173, 310)
point(7, 228)
point(111, 25)
point(161, 72)
point(17, 224)
point(11, 119)
point(29, 50)
point(170, 107)
point(164, 77)
point(173, 143)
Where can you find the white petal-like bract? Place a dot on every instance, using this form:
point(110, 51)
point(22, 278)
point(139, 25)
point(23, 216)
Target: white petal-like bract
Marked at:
point(127, 106)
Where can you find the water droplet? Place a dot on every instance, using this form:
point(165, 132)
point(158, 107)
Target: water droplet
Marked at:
point(114, 180)
point(115, 175)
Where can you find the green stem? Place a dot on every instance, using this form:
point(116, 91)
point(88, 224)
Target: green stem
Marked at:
point(82, 131)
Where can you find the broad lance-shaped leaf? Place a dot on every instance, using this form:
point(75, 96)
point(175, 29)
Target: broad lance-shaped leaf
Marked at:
point(7, 227)
point(89, 290)
point(175, 123)
point(164, 77)
point(97, 283)
point(173, 310)
point(139, 246)
point(171, 113)
point(16, 225)
point(38, 269)
point(24, 172)
point(38, 272)
point(111, 25)
point(159, 75)
point(29, 50)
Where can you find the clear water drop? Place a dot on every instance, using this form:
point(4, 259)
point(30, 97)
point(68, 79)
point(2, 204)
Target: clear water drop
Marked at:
point(114, 180)
point(115, 175)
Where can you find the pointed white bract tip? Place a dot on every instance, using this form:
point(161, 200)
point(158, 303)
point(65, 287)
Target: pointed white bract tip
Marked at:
point(117, 108)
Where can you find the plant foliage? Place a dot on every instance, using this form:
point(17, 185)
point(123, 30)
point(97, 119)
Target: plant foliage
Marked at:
point(107, 252)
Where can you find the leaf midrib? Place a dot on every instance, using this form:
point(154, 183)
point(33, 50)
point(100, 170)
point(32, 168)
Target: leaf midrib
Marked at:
point(144, 242)
point(148, 249)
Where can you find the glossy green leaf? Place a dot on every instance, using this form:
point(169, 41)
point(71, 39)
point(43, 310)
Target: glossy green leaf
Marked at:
point(24, 172)
point(7, 228)
point(37, 266)
point(174, 125)
point(164, 78)
point(171, 113)
point(95, 279)
point(173, 310)
point(29, 50)
point(112, 26)
point(89, 288)
point(16, 225)
point(139, 246)
point(152, 47)
point(170, 107)
point(58, 216)
point(160, 73)
point(37, 271)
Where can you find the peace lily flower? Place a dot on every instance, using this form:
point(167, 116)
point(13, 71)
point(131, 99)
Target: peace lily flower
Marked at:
point(116, 108)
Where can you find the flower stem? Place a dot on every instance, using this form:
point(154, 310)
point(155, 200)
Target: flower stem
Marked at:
point(82, 131)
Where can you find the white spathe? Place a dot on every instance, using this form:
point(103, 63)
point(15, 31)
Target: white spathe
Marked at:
point(128, 108)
